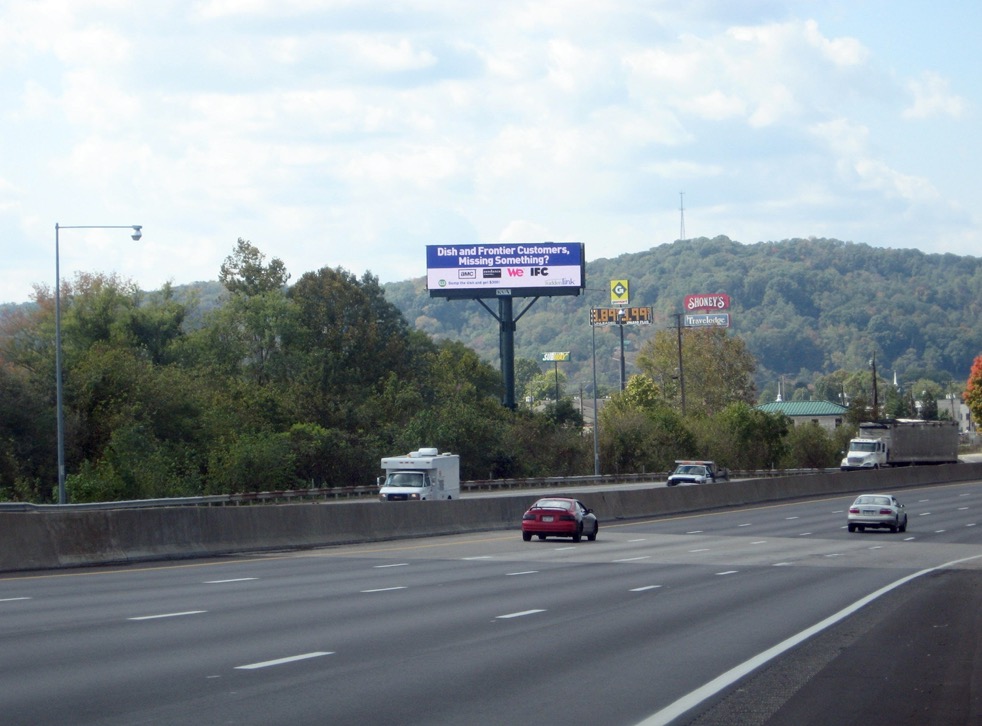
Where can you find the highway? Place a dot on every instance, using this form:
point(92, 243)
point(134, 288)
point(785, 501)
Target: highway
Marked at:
point(658, 621)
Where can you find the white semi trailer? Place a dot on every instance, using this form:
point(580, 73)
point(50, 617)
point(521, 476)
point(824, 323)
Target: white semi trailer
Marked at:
point(902, 442)
point(420, 475)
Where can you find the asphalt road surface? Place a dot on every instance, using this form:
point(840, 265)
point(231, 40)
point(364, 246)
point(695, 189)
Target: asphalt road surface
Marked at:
point(770, 615)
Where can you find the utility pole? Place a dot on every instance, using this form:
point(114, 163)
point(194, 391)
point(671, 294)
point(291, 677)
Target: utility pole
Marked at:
point(678, 326)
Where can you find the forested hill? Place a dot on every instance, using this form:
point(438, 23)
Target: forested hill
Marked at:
point(805, 307)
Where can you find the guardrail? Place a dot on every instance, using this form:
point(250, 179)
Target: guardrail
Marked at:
point(368, 492)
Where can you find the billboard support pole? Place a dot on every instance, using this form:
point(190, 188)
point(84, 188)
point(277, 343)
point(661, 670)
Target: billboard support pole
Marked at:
point(506, 337)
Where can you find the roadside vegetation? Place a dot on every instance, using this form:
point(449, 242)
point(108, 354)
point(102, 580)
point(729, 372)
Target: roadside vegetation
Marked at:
point(286, 386)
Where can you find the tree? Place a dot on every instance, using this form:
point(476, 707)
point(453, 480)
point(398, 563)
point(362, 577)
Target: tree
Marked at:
point(717, 368)
point(973, 390)
point(243, 272)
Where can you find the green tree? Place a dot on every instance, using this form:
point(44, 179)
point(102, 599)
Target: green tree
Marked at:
point(717, 368)
point(243, 272)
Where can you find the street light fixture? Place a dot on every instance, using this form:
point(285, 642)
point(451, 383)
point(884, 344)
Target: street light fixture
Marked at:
point(137, 234)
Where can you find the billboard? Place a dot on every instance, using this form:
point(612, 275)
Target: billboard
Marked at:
point(511, 270)
point(708, 320)
point(720, 301)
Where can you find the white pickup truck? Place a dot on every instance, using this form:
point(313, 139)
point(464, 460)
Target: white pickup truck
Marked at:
point(696, 472)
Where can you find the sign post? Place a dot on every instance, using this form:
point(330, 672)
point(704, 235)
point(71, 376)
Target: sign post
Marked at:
point(555, 358)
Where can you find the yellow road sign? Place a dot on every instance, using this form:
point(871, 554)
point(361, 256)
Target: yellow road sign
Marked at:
point(618, 292)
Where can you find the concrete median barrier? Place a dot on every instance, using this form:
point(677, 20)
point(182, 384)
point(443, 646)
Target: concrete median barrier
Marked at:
point(65, 537)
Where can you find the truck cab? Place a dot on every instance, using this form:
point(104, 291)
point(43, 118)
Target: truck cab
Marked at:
point(865, 454)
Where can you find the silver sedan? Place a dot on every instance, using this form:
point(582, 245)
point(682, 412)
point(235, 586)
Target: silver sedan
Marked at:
point(877, 510)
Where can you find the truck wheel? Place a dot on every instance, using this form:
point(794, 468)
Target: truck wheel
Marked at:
point(527, 536)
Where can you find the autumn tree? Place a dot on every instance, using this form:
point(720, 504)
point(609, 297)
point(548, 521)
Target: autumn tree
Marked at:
point(973, 391)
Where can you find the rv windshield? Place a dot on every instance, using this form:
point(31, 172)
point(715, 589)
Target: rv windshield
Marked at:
point(863, 446)
point(406, 479)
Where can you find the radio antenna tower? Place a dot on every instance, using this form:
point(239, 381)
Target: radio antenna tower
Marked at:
point(682, 213)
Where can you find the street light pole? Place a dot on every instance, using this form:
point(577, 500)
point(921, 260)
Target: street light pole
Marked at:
point(59, 394)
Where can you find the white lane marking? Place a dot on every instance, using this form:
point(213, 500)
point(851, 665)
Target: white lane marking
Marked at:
point(386, 589)
point(479, 557)
point(518, 615)
point(782, 564)
point(728, 572)
point(804, 534)
point(646, 587)
point(168, 615)
point(281, 661)
point(526, 572)
point(222, 582)
point(397, 564)
point(563, 549)
point(760, 541)
point(790, 518)
point(923, 514)
point(703, 549)
point(970, 525)
point(633, 559)
point(962, 509)
point(939, 531)
point(695, 531)
point(14, 599)
point(876, 547)
point(725, 680)
point(636, 540)
point(747, 524)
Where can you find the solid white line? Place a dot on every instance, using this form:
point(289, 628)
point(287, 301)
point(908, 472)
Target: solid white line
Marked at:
point(281, 661)
point(728, 572)
point(400, 564)
point(725, 680)
point(386, 589)
point(222, 582)
point(14, 599)
point(168, 615)
point(526, 572)
point(518, 615)
point(646, 587)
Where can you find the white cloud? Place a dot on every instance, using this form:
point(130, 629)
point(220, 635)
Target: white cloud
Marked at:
point(933, 98)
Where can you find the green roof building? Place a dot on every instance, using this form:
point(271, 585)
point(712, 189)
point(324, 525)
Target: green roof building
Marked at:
point(826, 414)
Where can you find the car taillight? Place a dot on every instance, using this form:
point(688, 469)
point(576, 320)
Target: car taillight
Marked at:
point(567, 518)
point(886, 511)
point(854, 510)
point(527, 516)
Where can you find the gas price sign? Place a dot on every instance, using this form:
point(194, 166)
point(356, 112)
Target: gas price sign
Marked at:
point(620, 316)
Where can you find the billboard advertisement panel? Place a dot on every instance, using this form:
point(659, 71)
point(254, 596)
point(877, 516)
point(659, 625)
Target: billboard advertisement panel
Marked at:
point(720, 301)
point(709, 320)
point(494, 270)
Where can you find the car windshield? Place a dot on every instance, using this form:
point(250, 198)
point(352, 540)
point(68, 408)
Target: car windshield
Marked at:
point(406, 479)
point(551, 504)
point(879, 501)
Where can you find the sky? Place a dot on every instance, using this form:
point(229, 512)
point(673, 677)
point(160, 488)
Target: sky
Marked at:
point(353, 133)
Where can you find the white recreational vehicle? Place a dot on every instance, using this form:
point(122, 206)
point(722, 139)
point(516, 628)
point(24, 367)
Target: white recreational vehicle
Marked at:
point(419, 475)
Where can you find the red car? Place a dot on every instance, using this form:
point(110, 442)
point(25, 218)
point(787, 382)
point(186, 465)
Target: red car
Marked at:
point(559, 517)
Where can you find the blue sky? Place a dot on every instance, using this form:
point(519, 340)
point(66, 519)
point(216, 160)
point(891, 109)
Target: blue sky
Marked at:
point(353, 133)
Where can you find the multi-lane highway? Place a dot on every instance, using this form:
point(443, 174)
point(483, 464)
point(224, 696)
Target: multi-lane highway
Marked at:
point(658, 621)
